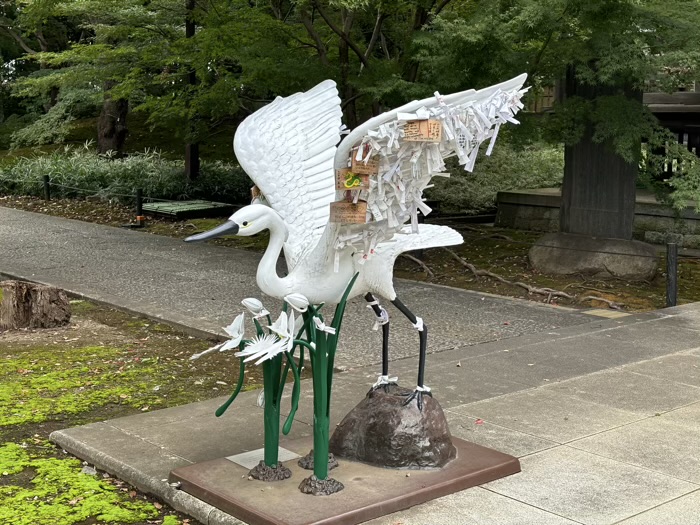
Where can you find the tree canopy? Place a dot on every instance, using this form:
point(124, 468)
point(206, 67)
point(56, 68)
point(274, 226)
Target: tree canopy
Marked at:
point(63, 58)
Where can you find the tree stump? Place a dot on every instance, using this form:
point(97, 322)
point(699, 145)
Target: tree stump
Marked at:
point(29, 305)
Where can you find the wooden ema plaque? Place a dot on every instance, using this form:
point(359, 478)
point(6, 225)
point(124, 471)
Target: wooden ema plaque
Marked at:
point(423, 131)
point(345, 179)
point(348, 212)
point(360, 167)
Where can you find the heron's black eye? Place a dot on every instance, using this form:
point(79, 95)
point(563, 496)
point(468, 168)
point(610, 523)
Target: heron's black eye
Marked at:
point(245, 223)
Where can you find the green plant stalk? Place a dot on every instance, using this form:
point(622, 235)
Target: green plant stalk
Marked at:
point(321, 408)
point(241, 376)
point(271, 411)
point(322, 361)
point(295, 393)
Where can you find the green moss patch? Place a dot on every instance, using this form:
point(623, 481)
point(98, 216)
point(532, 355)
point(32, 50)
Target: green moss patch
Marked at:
point(106, 364)
point(47, 382)
point(60, 493)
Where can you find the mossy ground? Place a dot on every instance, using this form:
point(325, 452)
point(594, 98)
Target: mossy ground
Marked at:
point(105, 364)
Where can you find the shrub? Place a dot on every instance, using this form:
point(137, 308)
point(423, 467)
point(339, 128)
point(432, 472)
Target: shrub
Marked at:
point(81, 172)
point(11, 125)
point(508, 168)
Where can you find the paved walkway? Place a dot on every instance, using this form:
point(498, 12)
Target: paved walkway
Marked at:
point(200, 286)
point(604, 414)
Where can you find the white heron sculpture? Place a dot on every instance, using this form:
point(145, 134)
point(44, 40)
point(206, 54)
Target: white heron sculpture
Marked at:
point(290, 149)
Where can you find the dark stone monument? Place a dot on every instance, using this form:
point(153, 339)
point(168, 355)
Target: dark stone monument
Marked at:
point(571, 254)
point(382, 430)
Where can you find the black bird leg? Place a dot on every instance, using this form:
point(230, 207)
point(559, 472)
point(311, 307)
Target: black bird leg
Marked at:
point(382, 319)
point(422, 328)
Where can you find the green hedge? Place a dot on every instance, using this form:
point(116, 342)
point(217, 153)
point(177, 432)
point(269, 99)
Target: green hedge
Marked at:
point(535, 166)
point(114, 178)
point(508, 168)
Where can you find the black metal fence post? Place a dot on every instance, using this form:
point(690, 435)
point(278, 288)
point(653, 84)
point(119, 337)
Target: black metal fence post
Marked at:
point(139, 202)
point(47, 188)
point(671, 274)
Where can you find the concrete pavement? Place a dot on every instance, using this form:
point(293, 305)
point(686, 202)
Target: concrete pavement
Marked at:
point(199, 287)
point(603, 413)
point(605, 418)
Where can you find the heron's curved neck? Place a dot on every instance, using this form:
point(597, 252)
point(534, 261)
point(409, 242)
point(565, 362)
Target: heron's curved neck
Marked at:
point(267, 278)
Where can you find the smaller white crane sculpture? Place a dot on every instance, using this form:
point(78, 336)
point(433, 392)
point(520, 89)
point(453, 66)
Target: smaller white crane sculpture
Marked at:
point(337, 210)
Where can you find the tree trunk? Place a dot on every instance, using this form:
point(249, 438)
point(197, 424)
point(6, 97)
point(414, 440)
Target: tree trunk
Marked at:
point(192, 161)
point(28, 305)
point(111, 125)
point(598, 192)
point(191, 148)
point(347, 93)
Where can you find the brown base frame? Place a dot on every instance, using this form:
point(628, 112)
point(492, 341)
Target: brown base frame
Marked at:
point(370, 492)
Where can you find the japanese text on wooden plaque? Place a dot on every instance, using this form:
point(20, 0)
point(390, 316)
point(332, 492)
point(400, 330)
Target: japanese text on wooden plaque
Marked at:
point(349, 213)
point(345, 179)
point(360, 167)
point(423, 131)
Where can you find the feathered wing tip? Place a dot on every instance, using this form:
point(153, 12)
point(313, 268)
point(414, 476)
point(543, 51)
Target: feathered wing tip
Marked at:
point(287, 148)
point(428, 236)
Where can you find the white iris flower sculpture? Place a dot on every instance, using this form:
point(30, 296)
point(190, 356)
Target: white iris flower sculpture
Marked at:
point(280, 339)
point(284, 328)
point(255, 307)
point(273, 348)
point(262, 348)
point(297, 301)
point(236, 330)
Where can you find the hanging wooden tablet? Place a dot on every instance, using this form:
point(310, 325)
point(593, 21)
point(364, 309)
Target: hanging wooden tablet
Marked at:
point(423, 131)
point(360, 167)
point(349, 213)
point(345, 179)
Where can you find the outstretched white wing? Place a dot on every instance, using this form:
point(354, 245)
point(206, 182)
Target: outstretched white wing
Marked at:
point(287, 148)
point(378, 270)
point(458, 125)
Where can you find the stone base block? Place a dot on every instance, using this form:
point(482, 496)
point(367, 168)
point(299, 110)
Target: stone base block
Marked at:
point(569, 254)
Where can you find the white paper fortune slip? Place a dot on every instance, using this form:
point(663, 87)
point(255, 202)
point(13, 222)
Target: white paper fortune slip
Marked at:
point(423, 131)
point(366, 165)
point(345, 179)
point(348, 212)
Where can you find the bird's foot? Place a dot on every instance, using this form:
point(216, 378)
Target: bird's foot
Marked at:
point(417, 394)
point(384, 382)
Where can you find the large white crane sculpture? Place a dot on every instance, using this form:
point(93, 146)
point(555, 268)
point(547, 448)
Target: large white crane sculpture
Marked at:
point(290, 150)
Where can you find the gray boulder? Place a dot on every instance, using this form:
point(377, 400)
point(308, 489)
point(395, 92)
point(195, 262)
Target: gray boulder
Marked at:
point(567, 254)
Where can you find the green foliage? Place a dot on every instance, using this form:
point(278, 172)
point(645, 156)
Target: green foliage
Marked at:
point(380, 53)
point(13, 124)
point(61, 493)
point(82, 172)
point(55, 125)
point(44, 383)
point(508, 168)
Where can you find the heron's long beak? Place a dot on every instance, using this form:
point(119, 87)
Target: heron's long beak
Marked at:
point(227, 228)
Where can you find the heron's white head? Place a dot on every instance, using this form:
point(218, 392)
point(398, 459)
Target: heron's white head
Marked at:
point(247, 221)
point(254, 218)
